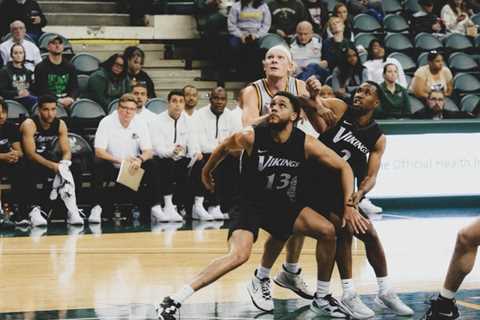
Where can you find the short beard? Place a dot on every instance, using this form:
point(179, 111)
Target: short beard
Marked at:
point(358, 112)
point(277, 127)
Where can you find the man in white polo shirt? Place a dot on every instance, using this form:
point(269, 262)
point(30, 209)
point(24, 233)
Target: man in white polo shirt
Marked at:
point(120, 136)
point(174, 146)
point(213, 124)
point(32, 53)
point(140, 93)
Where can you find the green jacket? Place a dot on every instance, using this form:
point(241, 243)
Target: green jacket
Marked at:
point(103, 88)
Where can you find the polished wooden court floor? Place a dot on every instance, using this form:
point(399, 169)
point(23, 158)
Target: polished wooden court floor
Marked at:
point(120, 275)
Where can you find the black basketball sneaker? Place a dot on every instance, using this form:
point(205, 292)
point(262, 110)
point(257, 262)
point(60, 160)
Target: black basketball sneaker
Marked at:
point(442, 309)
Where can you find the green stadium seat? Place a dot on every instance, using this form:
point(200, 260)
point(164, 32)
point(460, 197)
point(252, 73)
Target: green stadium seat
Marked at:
point(83, 85)
point(392, 6)
point(470, 102)
point(366, 23)
point(415, 104)
point(16, 110)
point(408, 65)
point(395, 23)
point(426, 42)
point(113, 106)
point(462, 62)
point(85, 63)
point(157, 105)
point(364, 39)
point(465, 83)
point(398, 42)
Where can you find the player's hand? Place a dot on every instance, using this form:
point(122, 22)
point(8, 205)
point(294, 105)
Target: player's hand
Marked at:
point(356, 198)
point(207, 179)
point(134, 164)
point(313, 86)
point(198, 156)
point(11, 156)
point(355, 220)
point(328, 116)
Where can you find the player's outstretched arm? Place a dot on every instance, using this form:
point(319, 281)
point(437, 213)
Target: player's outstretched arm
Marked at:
point(323, 114)
point(374, 162)
point(239, 141)
point(327, 157)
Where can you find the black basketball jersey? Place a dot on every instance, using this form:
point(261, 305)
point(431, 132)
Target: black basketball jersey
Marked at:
point(44, 138)
point(272, 170)
point(352, 143)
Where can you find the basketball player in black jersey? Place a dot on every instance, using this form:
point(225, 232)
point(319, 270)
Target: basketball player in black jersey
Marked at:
point(353, 137)
point(271, 162)
point(38, 135)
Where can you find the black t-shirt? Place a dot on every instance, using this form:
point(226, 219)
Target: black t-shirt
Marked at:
point(9, 134)
point(352, 143)
point(270, 174)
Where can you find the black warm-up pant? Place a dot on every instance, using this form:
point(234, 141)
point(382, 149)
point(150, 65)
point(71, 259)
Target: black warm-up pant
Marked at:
point(170, 177)
point(104, 173)
point(226, 177)
point(17, 177)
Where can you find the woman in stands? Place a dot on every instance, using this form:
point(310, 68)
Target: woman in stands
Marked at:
point(376, 60)
point(16, 80)
point(456, 17)
point(135, 58)
point(340, 10)
point(348, 75)
point(109, 82)
point(433, 76)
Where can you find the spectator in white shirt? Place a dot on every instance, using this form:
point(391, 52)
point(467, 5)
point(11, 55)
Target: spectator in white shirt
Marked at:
point(120, 137)
point(190, 93)
point(306, 52)
point(140, 92)
point(32, 53)
point(376, 61)
point(175, 148)
point(213, 124)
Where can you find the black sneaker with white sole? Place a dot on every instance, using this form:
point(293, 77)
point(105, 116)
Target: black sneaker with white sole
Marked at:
point(329, 306)
point(442, 309)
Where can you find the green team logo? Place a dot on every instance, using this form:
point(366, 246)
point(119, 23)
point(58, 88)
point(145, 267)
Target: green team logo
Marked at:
point(57, 83)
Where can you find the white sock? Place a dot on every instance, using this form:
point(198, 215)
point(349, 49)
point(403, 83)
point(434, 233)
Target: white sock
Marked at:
point(348, 287)
point(199, 201)
point(447, 294)
point(263, 272)
point(182, 295)
point(323, 288)
point(168, 200)
point(383, 285)
point(292, 267)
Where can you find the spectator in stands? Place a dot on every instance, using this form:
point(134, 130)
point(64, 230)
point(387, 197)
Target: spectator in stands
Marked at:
point(120, 137)
point(212, 124)
point(435, 109)
point(16, 80)
point(473, 5)
point(376, 60)
point(306, 52)
point(32, 53)
point(56, 75)
point(286, 14)
point(456, 17)
point(38, 134)
point(135, 58)
point(432, 76)
point(248, 21)
point(318, 13)
point(348, 75)
point(334, 46)
point(27, 11)
point(340, 10)
point(190, 93)
point(139, 91)
point(371, 7)
point(175, 147)
point(109, 82)
point(425, 20)
point(11, 164)
point(394, 100)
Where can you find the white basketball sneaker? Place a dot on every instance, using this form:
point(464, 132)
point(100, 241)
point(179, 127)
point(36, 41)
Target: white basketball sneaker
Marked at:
point(95, 215)
point(36, 217)
point(260, 291)
point(172, 214)
point(358, 309)
point(369, 208)
point(199, 213)
point(391, 301)
point(215, 213)
point(157, 214)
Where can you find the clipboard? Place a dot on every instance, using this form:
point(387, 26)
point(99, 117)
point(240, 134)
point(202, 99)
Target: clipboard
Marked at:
point(130, 179)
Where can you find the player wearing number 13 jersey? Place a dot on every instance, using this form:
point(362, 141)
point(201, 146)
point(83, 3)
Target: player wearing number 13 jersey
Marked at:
point(272, 159)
